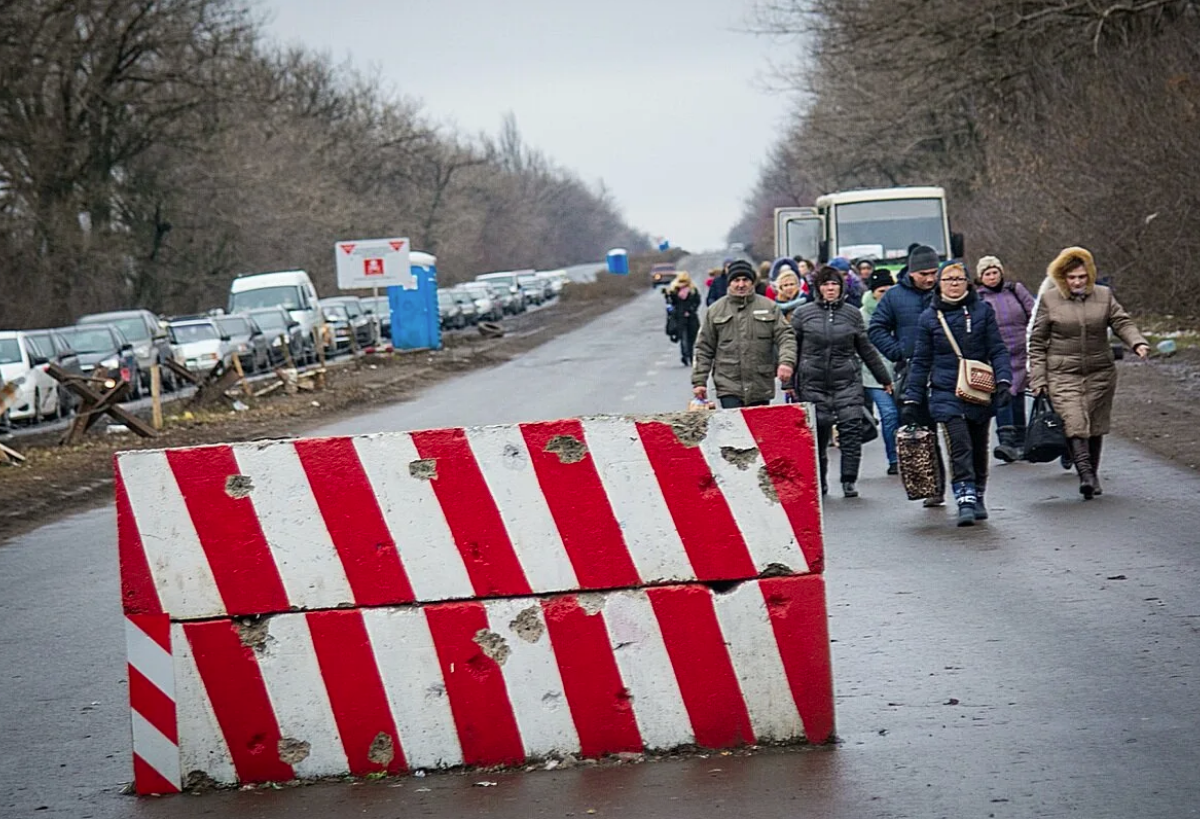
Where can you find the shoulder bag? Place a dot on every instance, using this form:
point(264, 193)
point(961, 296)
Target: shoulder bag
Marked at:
point(976, 380)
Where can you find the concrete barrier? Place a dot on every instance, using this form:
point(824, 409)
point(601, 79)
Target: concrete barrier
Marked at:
point(477, 596)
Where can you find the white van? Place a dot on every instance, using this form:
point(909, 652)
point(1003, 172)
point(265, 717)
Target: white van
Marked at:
point(291, 289)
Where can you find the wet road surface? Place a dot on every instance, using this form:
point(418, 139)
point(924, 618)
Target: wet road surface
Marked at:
point(1041, 665)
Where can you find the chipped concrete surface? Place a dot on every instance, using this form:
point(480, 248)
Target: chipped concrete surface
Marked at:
point(591, 603)
point(254, 633)
point(528, 625)
point(766, 484)
point(743, 459)
point(239, 486)
point(424, 469)
point(493, 645)
point(568, 448)
point(382, 750)
point(293, 751)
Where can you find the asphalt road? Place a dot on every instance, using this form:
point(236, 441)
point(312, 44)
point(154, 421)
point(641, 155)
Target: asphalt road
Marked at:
point(1041, 665)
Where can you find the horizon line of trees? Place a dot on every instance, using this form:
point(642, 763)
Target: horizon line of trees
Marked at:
point(1049, 122)
point(150, 150)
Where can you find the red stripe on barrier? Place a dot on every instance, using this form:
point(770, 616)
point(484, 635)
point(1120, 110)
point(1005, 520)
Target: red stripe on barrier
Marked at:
point(789, 452)
point(796, 606)
point(483, 714)
point(579, 505)
point(235, 687)
point(356, 692)
point(710, 535)
point(242, 565)
point(155, 707)
point(149, 782)
point(600, 704)
point(354, 521)
point(155, 626)
point(711, 693)
point(138, 594)
point(474, 520)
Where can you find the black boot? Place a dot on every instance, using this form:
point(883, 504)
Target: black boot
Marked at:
point(1007, 450)
point(981, 512)
point(1095, 443)
point(1082, 458)
point(964, 494)
point(848, 489)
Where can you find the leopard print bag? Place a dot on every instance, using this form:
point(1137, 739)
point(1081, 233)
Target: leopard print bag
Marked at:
point(916, 451)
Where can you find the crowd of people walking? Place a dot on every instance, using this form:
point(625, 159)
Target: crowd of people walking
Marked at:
point(933, 345)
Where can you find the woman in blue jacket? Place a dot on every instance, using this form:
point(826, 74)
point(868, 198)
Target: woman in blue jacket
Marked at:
point(935, 367)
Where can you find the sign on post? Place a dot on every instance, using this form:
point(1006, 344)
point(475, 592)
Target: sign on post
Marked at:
point(367, 263)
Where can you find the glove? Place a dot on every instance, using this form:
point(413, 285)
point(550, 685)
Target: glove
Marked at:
point(1003, 396)
point(908, 414)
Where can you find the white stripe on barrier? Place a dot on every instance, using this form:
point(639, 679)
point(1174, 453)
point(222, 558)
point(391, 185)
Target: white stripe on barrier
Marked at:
point(169, 539)
point(150, 659)
point(294, 529)
point(412, 678)
point(288, 663)
point(415, 518)
point(742, 614)
point(503, 458)
point(201, 744)
point(773, 539)
point(637, 499)
point(646, 669)
point(155, 749)
point(533, 679)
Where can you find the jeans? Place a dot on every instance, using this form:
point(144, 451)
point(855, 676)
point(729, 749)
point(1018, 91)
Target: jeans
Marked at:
point(1012, 415)
point(734, 402)
point(889, 419)
point(687, 344)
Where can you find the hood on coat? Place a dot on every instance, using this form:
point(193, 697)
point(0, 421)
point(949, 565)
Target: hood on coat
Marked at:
point(1057, 271)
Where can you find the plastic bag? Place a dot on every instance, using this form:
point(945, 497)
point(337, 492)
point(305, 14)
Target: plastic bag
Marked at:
point(916, 452)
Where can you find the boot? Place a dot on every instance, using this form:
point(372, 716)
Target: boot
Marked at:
point(1082, 458)
point(848, 489)
point(1007, 450)
point(981, 512)
point(1095, 443)
point(1019, 442)
point(964, 494)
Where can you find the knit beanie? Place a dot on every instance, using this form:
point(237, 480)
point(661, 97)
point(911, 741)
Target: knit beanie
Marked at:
point(879, 278)
point(828, 273)
point(922, 257)
point(840, 263)
point(985, 263)
point(739, 269)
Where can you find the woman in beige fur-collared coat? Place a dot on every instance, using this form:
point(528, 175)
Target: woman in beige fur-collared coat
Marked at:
point(1070, 357)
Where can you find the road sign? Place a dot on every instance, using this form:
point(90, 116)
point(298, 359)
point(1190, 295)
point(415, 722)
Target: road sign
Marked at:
point(365, 263)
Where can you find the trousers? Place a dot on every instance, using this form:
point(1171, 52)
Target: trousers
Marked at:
point(968, 451)
point(733, 402)
point(849, 443)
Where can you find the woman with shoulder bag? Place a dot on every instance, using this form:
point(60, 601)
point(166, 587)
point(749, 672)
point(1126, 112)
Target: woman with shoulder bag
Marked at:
point(1013, 306)
point(960, 355)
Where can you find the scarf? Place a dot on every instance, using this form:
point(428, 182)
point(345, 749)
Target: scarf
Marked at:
point(683, 292)
point(947, 300)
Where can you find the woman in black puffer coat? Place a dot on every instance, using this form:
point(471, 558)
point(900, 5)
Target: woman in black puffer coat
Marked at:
point(832, 346)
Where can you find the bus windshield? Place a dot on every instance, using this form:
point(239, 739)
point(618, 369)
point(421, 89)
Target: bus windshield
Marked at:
point(885, 229)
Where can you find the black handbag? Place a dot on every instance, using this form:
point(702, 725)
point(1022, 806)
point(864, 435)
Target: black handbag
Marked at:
point(870, 430)
point(1045, 438)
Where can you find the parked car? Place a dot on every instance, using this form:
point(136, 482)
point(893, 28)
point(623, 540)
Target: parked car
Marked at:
point(534, 288)
point(199, 345)
point(37, 390)
point(149, 339)
point(509, 280)
point(282, 333)
point(338, 330)
point(291, 289)
point(250, 345)
point(53, 346)
point(366, 330)
point(450, 314)
point(486, 305)
point(381, 308)
point(556, 278)
point(106, 347)
point(466, 303)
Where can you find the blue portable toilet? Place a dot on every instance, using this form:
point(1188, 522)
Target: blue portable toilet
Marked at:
point(416, 324)
point(618, 261)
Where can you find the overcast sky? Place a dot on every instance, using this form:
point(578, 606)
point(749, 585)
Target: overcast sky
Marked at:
point(661, 99)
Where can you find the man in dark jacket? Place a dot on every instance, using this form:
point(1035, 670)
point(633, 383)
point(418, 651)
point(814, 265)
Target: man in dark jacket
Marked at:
point(719, 286)
point(893, 328)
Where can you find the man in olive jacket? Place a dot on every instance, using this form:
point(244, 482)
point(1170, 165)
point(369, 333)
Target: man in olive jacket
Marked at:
point(745, 343)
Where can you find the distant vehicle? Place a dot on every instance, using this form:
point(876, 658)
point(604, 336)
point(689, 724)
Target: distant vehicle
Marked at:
point(508, 279)
point(282, 332)
point(466, 303)
point(381, 308)
point(250, 345)
point(486, 305)
point(291, 289)
point(662, 273)
point(53, 346)
point(535, 289)
point(105, 346)
point(366, 331)
point(339, 331)
point(557, 279)
point(450, 313)
point(199, 344)
point(737, 247)
point(37, 391)
point(149, 339)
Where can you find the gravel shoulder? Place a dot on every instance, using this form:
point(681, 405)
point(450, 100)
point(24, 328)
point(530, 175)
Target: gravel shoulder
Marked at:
point(1158, 405)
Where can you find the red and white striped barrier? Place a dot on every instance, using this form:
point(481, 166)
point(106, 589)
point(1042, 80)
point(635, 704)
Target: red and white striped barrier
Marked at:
point(458, 514)
point(473, 597)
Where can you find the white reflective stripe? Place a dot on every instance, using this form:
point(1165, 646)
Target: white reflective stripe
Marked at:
point(298, 696)
point(646, 670)
point(150, 659)
point(182, 575)
point(201, 744)
point(748, 633)
point(304, 554)
point(412, 678)
point(762, 521)
point(637, 500)
point(534, 683)
point(503, 458)
point(415, 518)
point(156, 750)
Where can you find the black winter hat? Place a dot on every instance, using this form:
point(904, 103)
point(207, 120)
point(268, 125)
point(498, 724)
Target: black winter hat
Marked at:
point(740, 269)
point(879, 278)
point(828, 274)
point(922, 257)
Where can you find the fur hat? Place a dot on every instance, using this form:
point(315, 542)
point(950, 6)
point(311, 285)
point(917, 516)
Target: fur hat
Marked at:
point(879, 278)
point(828, 273)
point(1068, 259)
point(922, 257)
point(985, 264)
point(740, 269)
point(784, 263)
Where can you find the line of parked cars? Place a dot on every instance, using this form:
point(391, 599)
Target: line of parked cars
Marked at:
point(492, 296)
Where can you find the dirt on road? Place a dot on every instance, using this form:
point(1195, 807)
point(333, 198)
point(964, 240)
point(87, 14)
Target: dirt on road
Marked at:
point(1158, 406)
point(57, 480)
